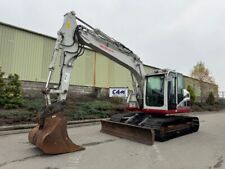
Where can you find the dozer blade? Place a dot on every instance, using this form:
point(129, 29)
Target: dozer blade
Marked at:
point(52, 137)
point(127, 131)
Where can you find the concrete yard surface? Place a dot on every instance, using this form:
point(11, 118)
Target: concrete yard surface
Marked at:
point(202, 150)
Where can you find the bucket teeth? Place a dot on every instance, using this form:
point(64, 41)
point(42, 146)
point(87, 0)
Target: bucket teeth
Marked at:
point(52, 136)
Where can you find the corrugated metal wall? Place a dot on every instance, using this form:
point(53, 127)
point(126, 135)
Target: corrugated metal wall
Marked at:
point(24, 53)
point(28, 54)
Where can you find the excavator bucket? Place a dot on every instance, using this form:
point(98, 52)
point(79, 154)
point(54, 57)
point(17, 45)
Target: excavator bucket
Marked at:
point(51, 135)
point(127, 131)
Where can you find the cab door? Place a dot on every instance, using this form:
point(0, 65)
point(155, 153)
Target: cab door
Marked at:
point(172, 91)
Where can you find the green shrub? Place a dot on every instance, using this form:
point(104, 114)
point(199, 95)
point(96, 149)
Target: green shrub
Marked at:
point(210, 99)
point(10, 91)
point(13, 92)
point(2, 88)
point(192, 94)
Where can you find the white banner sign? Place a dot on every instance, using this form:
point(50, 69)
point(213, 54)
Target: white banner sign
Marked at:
point(118, 92)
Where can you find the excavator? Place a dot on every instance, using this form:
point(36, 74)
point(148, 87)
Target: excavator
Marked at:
point(155, 106)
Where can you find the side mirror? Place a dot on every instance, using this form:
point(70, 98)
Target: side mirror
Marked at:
point(186, 93)
point(186, 99)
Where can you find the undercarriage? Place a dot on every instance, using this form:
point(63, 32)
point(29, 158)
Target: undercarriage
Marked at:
point(163, 128)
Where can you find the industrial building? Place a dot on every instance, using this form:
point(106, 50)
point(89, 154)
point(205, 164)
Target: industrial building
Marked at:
point(28, 54)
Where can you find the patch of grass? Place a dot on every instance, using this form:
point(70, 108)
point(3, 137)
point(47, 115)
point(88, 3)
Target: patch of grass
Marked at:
point(74, 110)
point(33, 104)
point(91, 109)
point(15, 113)
point(200, 107)
point(16, 116)
point(26, 114)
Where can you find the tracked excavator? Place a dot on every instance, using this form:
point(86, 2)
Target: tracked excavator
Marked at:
point(154, 106)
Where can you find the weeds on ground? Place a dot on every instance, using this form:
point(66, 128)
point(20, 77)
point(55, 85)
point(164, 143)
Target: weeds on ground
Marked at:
point(16, 116)
point(33, 104)
point(200, 107)
point(91, 110)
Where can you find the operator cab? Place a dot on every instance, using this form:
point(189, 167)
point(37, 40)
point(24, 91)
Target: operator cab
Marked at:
point(165, 93)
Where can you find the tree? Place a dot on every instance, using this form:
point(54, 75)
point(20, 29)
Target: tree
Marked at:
point(192, 94)
point(211, 99)
point(202, 73)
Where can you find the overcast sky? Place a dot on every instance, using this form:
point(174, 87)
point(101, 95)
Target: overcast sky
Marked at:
point(173, 34)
